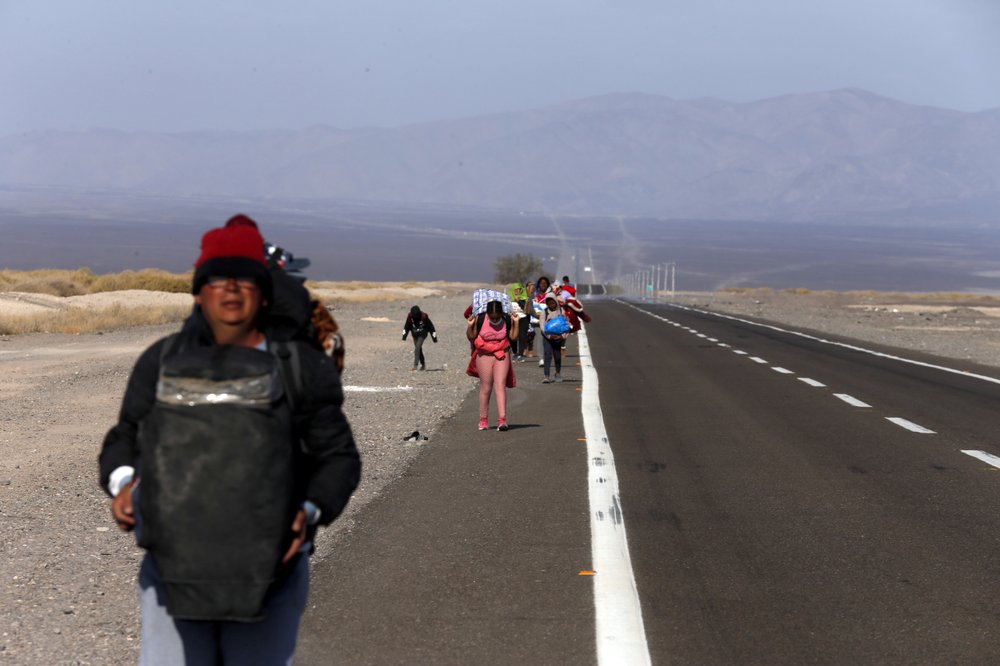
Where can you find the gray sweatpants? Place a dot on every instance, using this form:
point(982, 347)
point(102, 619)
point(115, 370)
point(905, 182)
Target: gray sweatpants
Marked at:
point(167, 642)
point(418, 349)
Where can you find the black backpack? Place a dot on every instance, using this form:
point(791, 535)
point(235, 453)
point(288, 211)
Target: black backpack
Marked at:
point(218, 488)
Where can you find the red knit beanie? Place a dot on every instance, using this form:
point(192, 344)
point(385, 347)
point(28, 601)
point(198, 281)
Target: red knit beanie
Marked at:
point(235, 250)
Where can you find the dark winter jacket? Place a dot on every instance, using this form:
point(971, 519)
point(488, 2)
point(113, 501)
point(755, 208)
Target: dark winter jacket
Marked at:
point(329, 463)
point(423, 327)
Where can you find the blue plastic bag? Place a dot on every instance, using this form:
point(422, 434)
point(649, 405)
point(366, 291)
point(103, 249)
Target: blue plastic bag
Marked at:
point(557, 325)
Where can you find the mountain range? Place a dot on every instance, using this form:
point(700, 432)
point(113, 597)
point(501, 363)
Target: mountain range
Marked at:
point(819, 155)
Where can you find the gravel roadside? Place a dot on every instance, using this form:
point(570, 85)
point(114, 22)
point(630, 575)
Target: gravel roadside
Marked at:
point(67, 575)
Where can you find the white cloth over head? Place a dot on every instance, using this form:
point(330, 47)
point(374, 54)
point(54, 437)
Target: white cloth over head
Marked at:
point(480, 297)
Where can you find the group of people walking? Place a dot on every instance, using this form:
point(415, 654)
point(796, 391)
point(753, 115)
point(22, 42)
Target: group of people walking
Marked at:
point(504, 328)
point(231, 448)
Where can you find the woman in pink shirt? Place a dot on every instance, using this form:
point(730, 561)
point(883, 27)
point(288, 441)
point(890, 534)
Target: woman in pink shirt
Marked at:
point(491, 334)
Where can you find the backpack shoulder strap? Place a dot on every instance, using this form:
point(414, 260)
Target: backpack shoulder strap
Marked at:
point(290, 367)
point(171, 346)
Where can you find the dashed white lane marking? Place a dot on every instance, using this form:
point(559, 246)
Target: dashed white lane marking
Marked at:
point(783, 371)
point(621, 636)
point(856, 348)
point(702, 335)
point(910, 425)
point(987, 458)
point(723, 344)
point(901, 422)
point(851, 400)
point(713, 339)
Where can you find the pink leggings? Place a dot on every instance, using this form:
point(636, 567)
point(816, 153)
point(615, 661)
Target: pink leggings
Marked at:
point(492, 377)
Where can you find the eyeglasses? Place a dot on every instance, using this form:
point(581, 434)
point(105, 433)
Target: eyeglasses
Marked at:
point(222, 282)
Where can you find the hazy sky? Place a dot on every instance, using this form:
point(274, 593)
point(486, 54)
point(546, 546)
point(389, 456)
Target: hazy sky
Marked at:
point(250, 64)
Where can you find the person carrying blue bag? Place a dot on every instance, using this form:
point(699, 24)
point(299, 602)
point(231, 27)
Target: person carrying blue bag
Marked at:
point(554, 328)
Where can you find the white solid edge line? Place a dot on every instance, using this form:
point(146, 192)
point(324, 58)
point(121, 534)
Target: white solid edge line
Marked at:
point(784, 371)
point(621, 635)
point(851, 400)
point(944, 368)
point(987, 458)
point(812, 382)
point(910, 425)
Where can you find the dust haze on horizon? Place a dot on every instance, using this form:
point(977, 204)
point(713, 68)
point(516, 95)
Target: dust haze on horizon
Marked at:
point(229, 65)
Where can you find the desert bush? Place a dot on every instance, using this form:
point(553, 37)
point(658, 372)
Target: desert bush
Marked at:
point(149, 279)
point(53, 286)
point(350, 285)
point(749, 291)
point(56, 282)
point(516, 267)
point(81, 320)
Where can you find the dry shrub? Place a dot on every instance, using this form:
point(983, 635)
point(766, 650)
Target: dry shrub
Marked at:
point(352, 285)
point(374, 297)
point(56, 282)
point(81, 320)
point(803, 291)
point(53, 286)
point(749, 291)
point(148, 279)
point(941, 297)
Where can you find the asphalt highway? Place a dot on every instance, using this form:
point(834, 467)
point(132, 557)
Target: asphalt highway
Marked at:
point(787, 500)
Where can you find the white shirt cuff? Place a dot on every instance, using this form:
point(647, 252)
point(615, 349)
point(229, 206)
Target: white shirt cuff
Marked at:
point(120, 478)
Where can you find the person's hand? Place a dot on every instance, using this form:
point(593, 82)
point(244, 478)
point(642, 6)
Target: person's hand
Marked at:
point(434, 338)
point(472, 320)
point(121, 508)
point(299, 526)
point(404, 336)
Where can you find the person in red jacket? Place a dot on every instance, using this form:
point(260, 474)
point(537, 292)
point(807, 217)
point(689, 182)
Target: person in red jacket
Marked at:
point(567, 287)
point(573, 309)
